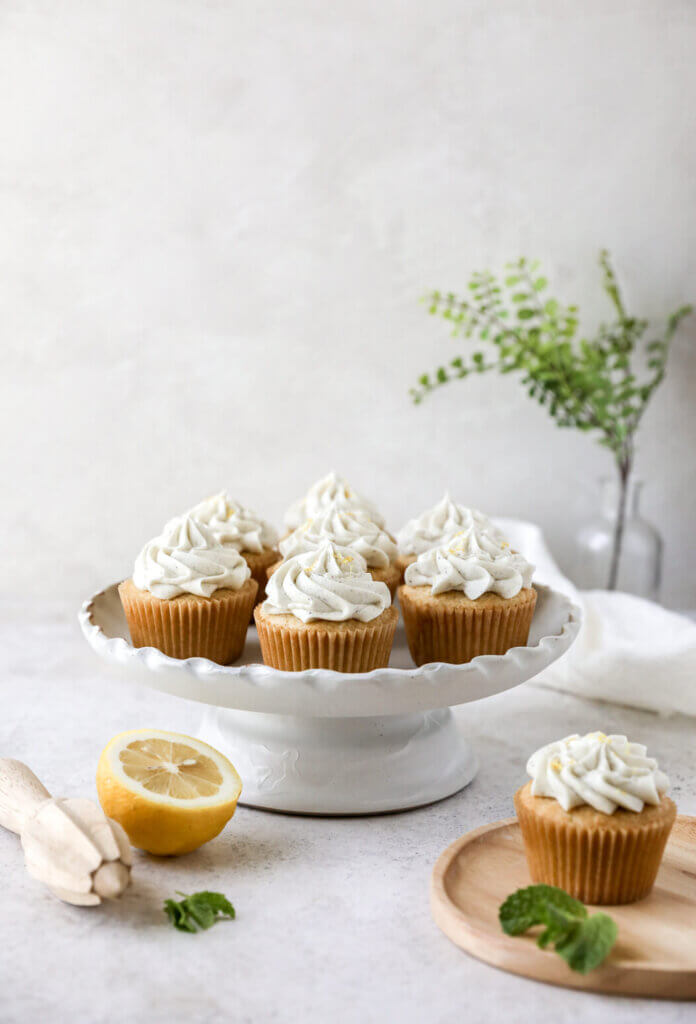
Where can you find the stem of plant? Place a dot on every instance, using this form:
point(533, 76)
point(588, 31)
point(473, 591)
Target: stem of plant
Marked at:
point(624, 468)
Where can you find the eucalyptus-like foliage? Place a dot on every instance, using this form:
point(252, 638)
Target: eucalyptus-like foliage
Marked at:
point(601, 384)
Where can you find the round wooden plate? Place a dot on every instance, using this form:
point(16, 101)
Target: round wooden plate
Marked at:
point(655, 953)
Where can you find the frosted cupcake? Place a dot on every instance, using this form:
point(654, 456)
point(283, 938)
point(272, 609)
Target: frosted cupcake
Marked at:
point(235, 526)
point(330, 490)
point(324, 610)
point(436, 526)
point(347, 528)
point(189, 596)
point(471, 596)
point(595, 818)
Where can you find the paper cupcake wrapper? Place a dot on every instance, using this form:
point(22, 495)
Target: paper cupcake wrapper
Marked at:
point(601, 866)
point(456, 633)
point(354, 647)
point(188, 626)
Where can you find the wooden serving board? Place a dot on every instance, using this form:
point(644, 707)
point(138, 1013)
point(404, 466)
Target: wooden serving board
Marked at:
point(654, 955)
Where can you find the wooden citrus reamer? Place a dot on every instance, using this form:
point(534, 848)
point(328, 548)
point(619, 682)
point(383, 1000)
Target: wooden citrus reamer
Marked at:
point(69, 844)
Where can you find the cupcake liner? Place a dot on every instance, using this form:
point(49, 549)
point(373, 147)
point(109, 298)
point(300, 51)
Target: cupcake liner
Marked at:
point(599, 859)
point(189, 626)
point(289, 644)
point(451, 628)
point(259, 563)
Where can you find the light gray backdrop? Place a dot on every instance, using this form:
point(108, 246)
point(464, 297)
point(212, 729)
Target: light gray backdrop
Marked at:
point(217, 219)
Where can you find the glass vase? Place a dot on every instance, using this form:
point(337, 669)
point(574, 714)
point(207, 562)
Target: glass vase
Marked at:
point(640, 559)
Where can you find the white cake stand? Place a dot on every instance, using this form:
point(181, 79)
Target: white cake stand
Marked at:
point(321, 742)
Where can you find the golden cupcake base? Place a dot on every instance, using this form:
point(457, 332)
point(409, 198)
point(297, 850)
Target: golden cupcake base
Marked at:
point(189, 626)
point(452, 628)
point(597, 858)
point(291, 645)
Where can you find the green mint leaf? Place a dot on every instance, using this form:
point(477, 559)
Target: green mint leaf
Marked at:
point(198, 911)
point(534, 905)
point(589, 943)
point(218, 904)
point(584, 942)
point(178, 916)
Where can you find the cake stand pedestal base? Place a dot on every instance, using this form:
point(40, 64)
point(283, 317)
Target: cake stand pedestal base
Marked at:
point(326, 766)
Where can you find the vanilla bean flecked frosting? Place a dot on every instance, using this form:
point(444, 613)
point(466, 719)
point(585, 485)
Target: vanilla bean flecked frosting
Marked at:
point(330, 490)
point(606, 772)
point(231, 523)
point(187, 559)
point(345, 527)
point(331, 583)
point(439, 524)
point(472, 562)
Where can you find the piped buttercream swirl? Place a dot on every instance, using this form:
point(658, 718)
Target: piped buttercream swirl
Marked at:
point(606, 772)
point(330, 490)
point(187, 559)
point(346, 527)
point(473, 562)
point(231, 523)
point(331, 583)
point(440, 523)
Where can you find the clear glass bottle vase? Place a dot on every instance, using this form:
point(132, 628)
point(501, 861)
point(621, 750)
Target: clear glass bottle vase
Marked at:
point(640, 561)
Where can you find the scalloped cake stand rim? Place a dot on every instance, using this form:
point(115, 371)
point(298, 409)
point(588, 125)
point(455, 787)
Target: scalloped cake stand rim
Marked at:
point(328, 694)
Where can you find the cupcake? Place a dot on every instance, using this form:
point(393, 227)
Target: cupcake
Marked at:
point(595, 818)
point(347, 528)
point(330, 490)
point(189, 596)
point(436, 526)
point(235, 526)
point(471, 596)
point(324, 610)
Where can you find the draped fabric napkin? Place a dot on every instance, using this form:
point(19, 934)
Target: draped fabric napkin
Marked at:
point(629, 650)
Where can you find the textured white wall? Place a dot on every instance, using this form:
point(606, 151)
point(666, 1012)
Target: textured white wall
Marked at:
point(217, 219)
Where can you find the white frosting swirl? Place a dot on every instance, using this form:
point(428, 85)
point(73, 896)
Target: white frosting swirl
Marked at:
point(605, 772)
point(346, 527)
point(330, 490)
point(331, 583)
point(187, 559)
point(233, 524)
point(474, 563)
point(439, 524)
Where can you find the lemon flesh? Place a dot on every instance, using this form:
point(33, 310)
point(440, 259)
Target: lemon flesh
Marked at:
point(170, 792)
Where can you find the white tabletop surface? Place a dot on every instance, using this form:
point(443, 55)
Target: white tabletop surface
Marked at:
point(333, 922)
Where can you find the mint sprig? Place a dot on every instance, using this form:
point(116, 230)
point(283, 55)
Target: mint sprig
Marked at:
point(583, 940)
point(199, 911)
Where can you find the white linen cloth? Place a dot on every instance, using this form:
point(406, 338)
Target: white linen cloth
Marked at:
point(629, 651)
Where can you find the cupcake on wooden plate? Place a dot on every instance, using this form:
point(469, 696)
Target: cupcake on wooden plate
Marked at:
point(436, 526)
point(324, 610)
point(235, 526)
point(347, 528)
point(471, 596)
point(330, 490)
point(189, 596)
point(595, 818)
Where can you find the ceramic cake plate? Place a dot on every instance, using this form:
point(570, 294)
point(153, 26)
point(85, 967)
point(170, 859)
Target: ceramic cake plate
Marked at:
point(320, 742)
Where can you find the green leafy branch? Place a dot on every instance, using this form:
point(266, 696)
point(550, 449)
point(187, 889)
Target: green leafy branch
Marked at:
point(601, 384)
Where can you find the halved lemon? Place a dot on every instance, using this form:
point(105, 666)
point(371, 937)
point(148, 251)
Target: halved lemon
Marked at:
point(170, 792)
